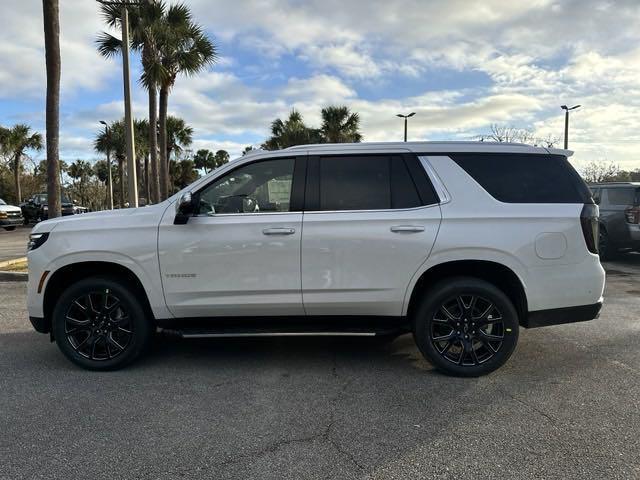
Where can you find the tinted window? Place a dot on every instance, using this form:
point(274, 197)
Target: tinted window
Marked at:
point(374, 182)
point(355, 183)
point(621, 196)
point(525, 178)
point(258, 187)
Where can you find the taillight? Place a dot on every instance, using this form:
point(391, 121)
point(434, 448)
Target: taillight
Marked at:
point(590, 226)
point(632, 214)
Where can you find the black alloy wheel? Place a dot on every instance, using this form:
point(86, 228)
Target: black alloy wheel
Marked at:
point(466, 326)
point(99, 323)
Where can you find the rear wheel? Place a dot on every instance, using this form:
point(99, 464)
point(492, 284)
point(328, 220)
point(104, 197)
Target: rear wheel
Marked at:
point(99, 325)
point(466, 327)
point(606, 249)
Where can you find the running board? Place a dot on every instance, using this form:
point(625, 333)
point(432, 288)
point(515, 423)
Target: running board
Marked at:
point(229, 327)
point(188, 334)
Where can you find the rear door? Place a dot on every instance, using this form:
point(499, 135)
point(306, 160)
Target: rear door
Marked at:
point(370, 221)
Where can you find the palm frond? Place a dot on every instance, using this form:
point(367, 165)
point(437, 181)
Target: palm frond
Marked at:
point(108, 46)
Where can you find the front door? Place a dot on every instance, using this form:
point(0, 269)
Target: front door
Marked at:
point(240, 254)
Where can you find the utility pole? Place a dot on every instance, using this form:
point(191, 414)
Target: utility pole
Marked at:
point(128, 119)
point(405, 122)
point(566, 123)
point(107, 132)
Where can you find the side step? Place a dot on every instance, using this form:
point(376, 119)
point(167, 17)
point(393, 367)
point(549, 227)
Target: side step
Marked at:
point(284, 327)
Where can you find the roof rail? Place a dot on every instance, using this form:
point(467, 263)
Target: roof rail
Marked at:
point(389, 144)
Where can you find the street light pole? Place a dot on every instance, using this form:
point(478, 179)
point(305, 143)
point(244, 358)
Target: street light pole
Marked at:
point(566, 123)
point(405, 122)
point(107, 132)
point(128, 119)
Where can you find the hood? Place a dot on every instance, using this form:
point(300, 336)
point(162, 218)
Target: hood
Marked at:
point(9, 208)
point(105, 219)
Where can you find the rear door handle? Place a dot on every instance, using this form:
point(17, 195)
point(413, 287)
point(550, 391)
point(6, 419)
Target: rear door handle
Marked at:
point(279, 231)
point(407, 228)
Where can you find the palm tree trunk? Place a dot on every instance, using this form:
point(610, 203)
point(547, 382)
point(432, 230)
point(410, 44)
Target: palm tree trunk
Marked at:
point(153, 146)
point(121, 174)
point(52, 59)
point(147, 187)
point(164, 161)
point(16, 176)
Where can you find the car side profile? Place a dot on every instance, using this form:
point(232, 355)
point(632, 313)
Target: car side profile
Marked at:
point(459, 243)
point(619, 204)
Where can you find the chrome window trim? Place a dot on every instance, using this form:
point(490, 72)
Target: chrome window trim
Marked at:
point(437, 183)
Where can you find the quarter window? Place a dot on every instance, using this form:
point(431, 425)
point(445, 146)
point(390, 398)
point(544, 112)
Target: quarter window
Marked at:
point(258, 187)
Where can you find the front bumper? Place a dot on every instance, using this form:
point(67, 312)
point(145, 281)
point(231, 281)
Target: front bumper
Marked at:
point(40, 324)
point(558, 316)
point(11, 222)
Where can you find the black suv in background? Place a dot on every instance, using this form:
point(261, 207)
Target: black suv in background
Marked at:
point(36, 208)
point(619, 216)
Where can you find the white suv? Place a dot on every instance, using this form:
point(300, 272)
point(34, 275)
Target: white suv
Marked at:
point(458, 243)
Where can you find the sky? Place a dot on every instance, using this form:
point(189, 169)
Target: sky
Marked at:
point(460, 65)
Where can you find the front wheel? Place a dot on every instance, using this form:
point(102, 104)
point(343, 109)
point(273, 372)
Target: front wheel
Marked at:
point(100, 325)
point(9, 229)
point(466, 327)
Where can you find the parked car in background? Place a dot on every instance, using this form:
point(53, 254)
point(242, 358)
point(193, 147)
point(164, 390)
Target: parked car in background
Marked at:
point(10, 216)
point(459, 243)
point(36, 208)
point(619, 204)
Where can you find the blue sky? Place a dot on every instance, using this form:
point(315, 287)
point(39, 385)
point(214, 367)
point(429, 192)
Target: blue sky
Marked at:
point(461, 65)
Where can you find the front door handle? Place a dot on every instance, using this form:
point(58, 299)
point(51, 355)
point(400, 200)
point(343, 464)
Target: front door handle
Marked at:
point(279, 231)
point(407, 228)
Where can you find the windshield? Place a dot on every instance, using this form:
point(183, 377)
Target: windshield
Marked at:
point(2, 202)
point(43, 199)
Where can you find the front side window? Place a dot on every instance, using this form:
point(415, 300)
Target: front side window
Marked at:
point(622, 196)
point(263, 186)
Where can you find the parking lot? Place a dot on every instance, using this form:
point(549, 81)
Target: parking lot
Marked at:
point(14, 244)
point(565, 406)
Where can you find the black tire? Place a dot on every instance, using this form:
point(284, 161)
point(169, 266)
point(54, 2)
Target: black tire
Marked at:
point(91, 321)
point(606, 249)
point(469, 339)
point(9, 229)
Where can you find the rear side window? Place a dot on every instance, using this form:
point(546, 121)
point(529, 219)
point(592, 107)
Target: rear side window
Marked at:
point(525, 178)
point(371, 182)
point(622, 196)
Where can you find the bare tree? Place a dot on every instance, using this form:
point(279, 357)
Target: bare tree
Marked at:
point(601, 171)
point(504, 134)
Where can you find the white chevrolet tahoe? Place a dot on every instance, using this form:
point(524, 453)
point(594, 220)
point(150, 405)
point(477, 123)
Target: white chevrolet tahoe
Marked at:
point(459, 243)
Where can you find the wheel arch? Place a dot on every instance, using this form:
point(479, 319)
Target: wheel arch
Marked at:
point(495, 273)
point(73, 272)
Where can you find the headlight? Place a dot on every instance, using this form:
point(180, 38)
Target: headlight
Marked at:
point(4, 215)
point(45, 208)
point(36, 240)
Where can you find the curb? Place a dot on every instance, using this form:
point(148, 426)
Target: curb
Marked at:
point(13, 261)
point(13, 276)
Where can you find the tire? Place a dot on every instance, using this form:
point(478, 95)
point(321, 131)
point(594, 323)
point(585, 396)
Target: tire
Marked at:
point(473, 348)
point(9, 229)
point(606, 250)
point(91, 321)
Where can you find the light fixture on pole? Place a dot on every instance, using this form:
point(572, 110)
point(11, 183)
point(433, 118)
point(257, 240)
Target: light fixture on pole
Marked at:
point(128, 118)
point(405, 122)
point(566, 123)
point(107, 132)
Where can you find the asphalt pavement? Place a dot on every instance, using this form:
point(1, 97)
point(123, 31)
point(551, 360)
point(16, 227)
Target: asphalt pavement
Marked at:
point(14, 244)
point(565, 406)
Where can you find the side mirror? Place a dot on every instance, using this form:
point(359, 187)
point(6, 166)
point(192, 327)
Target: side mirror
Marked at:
point(185, 208)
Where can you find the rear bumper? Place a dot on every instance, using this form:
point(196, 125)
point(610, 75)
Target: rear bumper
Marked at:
point(558, 316)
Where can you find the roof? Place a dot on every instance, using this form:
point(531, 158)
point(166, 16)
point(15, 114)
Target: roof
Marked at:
point(467, 146)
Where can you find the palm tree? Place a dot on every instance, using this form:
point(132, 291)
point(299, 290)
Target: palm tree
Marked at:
point(221, 157)
point(113, 141)
point(204, 160)
point(339, 125)
point(51, 16)
point(15, 141)
point(141, 128)
point(80, 170)
point(178, 135)
point(184, 48)
point(144, 24)
point(290, 132)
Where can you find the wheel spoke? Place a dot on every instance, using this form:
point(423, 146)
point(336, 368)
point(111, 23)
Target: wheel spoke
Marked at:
point(490, 337)
point(75, 321)
point(447, 337)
